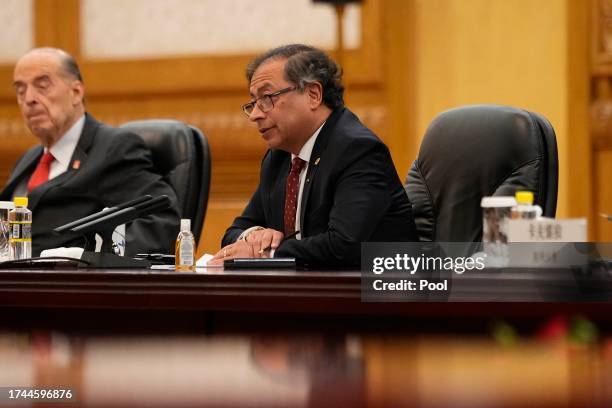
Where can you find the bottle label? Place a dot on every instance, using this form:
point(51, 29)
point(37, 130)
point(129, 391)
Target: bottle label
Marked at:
point(20, 231)
point(186, 253)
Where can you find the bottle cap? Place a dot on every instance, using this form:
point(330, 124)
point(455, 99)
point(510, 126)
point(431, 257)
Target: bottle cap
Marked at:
point(524, 197)
point(185, 224)
point(20, 201)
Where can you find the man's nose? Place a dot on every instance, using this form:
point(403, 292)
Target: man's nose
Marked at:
point(256, 114)
point(30, 97)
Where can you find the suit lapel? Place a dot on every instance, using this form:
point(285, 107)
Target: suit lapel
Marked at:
point(315, 159)
point(35, 195)
point(79, 156)
point(313, 166)
point(24, 167)
point(277, 194)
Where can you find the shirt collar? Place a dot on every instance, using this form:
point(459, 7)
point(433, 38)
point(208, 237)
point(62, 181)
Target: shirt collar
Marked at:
point(306, 150)
point(63, 149)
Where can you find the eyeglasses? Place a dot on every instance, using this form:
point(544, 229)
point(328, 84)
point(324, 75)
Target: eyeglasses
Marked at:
point(264, 102)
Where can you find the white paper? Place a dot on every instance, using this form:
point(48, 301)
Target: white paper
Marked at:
point(203, 262)
point(71, 252)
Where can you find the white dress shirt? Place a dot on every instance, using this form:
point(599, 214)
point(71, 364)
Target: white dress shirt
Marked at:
point(62, 152)
point(63, 149)
point(304, 154)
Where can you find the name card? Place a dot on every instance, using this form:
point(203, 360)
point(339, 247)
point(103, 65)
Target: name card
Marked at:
point(547, 230)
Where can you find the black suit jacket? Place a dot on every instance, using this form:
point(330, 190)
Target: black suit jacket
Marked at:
point(109, 166)
point(352, 194)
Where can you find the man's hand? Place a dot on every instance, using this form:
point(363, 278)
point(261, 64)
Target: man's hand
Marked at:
point(257, 245)
point(265, 239)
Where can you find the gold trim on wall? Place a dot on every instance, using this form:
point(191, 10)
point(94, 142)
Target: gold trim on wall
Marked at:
point(601, 37)
point(57, 24)
point(601, 114)
point(203, 90)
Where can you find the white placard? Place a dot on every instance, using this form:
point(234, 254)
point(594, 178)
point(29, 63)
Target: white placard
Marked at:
point(547, 230)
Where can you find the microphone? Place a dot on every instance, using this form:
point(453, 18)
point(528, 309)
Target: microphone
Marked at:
point(105, 222)
point(121, 216)
point(102, 213)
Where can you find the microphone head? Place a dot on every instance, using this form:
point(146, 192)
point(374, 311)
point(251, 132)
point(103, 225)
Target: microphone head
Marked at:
point(103, 213)
point(109, 221)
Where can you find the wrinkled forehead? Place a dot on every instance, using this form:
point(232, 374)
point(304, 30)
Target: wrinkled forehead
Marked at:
point(37, 63)
point(269, 76)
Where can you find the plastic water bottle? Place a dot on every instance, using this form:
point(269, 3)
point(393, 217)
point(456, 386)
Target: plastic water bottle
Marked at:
point(184, 254)
point(524, 208)
point(5, 207)
point(20, 230)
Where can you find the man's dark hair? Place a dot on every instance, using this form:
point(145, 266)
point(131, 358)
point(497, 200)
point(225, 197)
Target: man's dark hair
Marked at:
point(306, 65)
point(71, 67)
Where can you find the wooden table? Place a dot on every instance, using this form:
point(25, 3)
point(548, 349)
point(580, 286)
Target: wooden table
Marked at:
point(237, 300)
point(287, 338)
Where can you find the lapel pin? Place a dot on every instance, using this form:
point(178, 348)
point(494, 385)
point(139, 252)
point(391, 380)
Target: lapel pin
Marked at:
point(316, 163)
point(76, 164)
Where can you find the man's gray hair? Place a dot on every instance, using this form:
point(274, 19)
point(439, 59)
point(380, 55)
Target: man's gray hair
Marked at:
point(306, 65)
point(70, 68)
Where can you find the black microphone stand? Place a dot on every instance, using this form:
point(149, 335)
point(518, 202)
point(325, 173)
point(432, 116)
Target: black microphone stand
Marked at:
point(105, 223)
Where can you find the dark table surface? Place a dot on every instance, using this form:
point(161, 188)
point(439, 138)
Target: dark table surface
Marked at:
point(301, 338)
point(328, 293)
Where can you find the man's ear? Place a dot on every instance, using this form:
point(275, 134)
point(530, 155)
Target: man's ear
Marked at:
point(315, 94)
point(78, 92)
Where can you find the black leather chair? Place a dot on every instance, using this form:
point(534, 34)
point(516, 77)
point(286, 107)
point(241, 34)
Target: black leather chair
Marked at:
point(182, 156)
point(475, 151)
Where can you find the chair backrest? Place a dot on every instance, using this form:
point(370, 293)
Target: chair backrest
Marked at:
point(182, 156)
point(475, 151)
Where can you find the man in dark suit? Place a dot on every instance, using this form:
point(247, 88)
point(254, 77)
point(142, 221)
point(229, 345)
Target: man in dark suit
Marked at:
point(326, 178)
point(82, 165)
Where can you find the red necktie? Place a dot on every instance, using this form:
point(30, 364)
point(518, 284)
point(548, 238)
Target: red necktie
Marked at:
point(41, 172)
point(291, 194)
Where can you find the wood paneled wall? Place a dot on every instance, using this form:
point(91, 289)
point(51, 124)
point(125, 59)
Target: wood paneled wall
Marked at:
point(416, 58)
point(205, 91)
point(601, 114)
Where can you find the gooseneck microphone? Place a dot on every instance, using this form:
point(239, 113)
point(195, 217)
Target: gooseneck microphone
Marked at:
point(123, 215)
point(102, 213)
point(104, 222)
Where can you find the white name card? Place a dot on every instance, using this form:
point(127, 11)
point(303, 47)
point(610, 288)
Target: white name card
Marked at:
point(547, 230)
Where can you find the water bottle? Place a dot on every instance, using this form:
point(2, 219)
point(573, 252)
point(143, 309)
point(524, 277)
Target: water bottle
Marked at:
point(184, 254)
point(5, 207)
point(20, 230)
point(524, 208)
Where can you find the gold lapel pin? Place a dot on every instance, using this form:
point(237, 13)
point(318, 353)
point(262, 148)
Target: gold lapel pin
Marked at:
point(316, 163)
point(76, 164)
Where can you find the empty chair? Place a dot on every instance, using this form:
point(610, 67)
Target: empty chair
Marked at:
point(182, 156)
point(475, 151)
